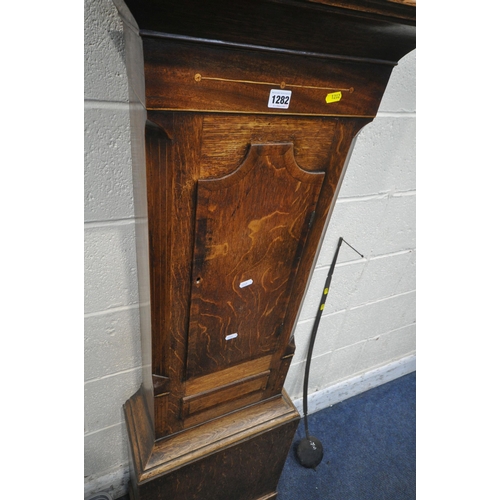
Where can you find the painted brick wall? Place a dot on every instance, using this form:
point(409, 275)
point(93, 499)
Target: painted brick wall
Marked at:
point(369, 320)
point(112, 339)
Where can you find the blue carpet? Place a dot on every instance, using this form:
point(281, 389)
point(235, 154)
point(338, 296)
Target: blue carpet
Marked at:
point(369, 448)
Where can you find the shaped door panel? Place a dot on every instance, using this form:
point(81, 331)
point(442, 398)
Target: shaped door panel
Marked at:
point(250, 231)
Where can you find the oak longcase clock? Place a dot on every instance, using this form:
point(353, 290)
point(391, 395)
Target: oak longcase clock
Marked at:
point(243, 116)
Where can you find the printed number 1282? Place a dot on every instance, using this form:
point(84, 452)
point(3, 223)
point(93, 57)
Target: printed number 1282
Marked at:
point(279, 99)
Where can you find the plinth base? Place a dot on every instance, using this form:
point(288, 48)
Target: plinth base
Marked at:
point(239, 456)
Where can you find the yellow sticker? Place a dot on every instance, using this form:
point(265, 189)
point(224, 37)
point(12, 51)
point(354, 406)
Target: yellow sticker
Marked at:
point(325, 291)
point(322, 307)
point(333, 97)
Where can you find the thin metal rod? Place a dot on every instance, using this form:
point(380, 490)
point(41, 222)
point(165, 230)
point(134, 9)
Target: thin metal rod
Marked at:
point(315, 328)
point(353, 248)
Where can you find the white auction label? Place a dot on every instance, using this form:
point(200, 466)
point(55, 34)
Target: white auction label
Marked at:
point(232, 336)
point(243, 284)
point(279, 99)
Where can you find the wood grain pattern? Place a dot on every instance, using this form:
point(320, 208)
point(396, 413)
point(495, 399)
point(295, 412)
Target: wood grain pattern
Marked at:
point(182, 212)
point(240, 472)
point(228, 375)
point(152, 458)
point(375, 7)
point(340, 146)
point(251, 226)
point(223, 408)
point(140, 430)
point(229, 392)
point(171, 199)
point(232, 186)
point(412, 3)
point(374, 29)
point(171, 67)
point(226, 139)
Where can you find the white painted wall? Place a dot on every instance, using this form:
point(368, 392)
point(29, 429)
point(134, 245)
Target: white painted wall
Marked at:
point(368, 326)
point(370, 315)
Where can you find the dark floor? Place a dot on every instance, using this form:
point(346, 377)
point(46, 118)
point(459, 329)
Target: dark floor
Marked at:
point(369, 448)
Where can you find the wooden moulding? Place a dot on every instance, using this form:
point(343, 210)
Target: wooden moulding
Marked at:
point(366, 29)
point(216, 460)
point(199, 402)
point(182, 76)
point(176, 148)
point(211, 420)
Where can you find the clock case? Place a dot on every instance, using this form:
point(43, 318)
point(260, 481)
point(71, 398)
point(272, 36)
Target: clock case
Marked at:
point(232, 198)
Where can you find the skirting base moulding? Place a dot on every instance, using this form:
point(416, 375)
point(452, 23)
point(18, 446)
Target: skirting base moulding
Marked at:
point(242, 115)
